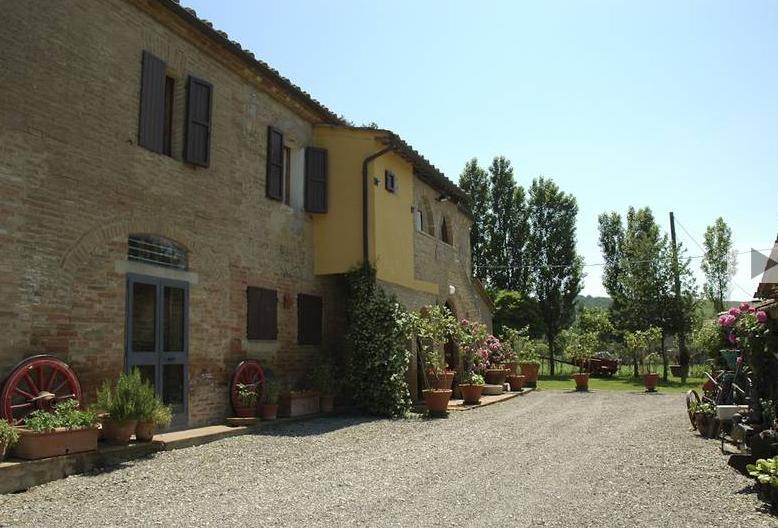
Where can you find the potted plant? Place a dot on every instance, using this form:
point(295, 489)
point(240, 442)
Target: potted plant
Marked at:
point(472, 387)
point(496, 372)
point(431, 327)
point(160, 416)
point(269, 407)
point(8, 437)
point(650, 378)
point(765, 471)
point(124, 404)
point(705, 418)
point(529, 361)
point(64, 430)
point(579, 348)
point(514, 341)
point(325, 382)
point(248, 397)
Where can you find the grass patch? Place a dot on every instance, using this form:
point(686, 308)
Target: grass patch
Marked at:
point(617, 383)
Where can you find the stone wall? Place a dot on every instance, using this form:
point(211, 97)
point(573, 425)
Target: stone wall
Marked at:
point(74, 185)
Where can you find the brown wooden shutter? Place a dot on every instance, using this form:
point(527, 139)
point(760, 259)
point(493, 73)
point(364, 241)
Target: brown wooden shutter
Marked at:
point(151, 125)
point(275, 164)
point(198, 122)
point(315, 180)
point(309, 319)
point(262, 313)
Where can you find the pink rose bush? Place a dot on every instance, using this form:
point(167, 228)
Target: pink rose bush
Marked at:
point(741, 324)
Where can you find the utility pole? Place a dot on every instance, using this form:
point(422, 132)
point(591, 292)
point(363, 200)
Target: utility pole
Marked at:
point(683, 354)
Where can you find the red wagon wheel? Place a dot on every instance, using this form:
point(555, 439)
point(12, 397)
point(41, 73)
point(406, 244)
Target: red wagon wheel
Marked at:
point(248, 372)
point(38, 382)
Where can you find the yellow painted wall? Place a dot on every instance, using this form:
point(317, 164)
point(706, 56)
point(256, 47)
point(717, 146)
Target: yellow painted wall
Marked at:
point(338, 233)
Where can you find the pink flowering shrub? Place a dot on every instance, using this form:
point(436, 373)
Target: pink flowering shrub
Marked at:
point(741, 325)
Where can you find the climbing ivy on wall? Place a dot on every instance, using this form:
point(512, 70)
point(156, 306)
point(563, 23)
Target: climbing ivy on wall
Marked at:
point(377, 354)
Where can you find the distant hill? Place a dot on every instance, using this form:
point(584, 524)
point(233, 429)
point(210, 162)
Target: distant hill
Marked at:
point(587, 301)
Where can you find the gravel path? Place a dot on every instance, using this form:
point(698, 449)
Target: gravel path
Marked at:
point(547, 459)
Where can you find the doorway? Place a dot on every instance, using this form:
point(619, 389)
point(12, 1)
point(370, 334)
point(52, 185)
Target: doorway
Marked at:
point(158, 338)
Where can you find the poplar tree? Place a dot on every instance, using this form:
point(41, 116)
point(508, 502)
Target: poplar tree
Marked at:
point(500, 222)
point(475, 182)
point(557, 270)
point(719, 262)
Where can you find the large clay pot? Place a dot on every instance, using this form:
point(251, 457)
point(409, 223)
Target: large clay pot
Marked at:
point(512, 367)
point(437, 401)
point(701, 423)
point(517, 382)
point(471, 393)
point(269, 411)
point(444, 380)
point(58, 442)
point(496, 376)
point(581, 381)
point(530, 372)
point(327, 404)
point(118, 433)
point(144, 431)
point(650, 381)
point(3, 450)
point(246, 412)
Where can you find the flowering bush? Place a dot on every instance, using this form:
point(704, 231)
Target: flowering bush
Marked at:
point(741, 325)
point(496, 350)
point(475, 353)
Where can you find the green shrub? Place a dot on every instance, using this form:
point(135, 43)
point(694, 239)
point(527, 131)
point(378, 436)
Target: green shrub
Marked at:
point(130, 399)
point(8, 434)
point(65, 414)
point(377, 354)
point(162, 415)
point(324, 380)
point(248, 394)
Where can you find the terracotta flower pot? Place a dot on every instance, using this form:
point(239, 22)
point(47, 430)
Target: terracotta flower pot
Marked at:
point(58, 442)
point(650, 381)
point(437, 400)
point(530, 373)
point(246, 412)
point(471, 393)
point(118, 433)
point(581, 381)
point(3, 450)
point(701, 422)
point(269, 411)
point(327, 404)
point(444, 380)
point(496, 376)
point(512, 366)
point(517, 382)
point(144, 431)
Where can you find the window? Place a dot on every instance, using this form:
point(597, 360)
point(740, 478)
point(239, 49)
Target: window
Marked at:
point(389, 181)
point(198, 122)
point(315, 180)
point(153, 110)
point(274, 188)
point(445, 231)
point(425, 222)
point(261, 313)
point(287, 175)
point(167, 133)
point(156, 250)
point(309, 319)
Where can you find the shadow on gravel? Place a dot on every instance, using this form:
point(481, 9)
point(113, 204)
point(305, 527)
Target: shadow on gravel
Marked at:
point(313, 427)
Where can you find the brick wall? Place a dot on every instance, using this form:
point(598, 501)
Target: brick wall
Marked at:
point(74, 185)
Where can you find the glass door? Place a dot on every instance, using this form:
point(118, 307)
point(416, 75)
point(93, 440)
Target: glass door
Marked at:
point(157, 338)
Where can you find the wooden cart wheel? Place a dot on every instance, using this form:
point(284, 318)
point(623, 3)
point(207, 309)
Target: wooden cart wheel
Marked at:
point(692, 398)
point(38, 382)
point(248, 372)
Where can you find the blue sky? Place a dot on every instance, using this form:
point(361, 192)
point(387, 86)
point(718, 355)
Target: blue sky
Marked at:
point(669, 104)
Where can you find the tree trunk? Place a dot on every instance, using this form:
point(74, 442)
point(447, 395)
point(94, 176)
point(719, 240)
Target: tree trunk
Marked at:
point(664, 359)
point(551, 355)
point(635, 364)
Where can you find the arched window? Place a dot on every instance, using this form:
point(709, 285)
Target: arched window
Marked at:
point(425, 221)
point(445, 231)
point(157, 250)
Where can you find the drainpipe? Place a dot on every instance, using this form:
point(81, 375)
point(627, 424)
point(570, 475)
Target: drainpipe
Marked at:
point(365, 186)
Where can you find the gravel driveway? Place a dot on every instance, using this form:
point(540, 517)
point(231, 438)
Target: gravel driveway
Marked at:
point(547, 459)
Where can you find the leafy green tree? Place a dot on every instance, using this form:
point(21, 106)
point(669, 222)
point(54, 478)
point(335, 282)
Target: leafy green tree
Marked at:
point(557, 270)
point(501, 222)
point(719, 263)
point(595, 321)
point(516, 310)
point(475, 182)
